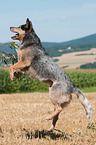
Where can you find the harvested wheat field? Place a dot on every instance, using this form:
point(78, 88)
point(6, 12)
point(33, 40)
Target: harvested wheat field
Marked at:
point(23, 121)
point(76, 59)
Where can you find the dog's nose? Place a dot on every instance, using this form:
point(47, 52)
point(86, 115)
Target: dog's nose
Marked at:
point(12, 29)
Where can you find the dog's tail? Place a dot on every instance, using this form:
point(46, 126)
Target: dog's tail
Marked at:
point(83, 100)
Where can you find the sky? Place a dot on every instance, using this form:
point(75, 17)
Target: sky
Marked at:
point(53, 20)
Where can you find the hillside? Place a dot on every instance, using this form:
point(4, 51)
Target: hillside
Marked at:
point(76, 59)
point(86, 39)
point(81, 44)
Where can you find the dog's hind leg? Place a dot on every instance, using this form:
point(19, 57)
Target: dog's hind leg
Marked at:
point(54, 120)
point(56, 112)
point(54, 116)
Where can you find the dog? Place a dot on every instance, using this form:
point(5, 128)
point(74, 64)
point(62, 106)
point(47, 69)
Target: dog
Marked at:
point(36, 63)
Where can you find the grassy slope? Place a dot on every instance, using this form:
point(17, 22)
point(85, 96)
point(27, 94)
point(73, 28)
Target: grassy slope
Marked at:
point(87, 90)
point(84, 90)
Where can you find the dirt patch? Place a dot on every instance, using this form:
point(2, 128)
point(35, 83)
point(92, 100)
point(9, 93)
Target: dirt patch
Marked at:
point(23, 121)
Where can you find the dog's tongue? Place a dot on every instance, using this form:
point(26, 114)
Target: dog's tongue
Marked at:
point(15, 36)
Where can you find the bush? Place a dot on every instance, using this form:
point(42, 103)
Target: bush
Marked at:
point(88, 65)
point(23, 84)
point(5, 82)
point(81, 79)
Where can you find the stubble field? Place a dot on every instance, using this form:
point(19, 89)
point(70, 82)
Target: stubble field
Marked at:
point(23, 121)
point(76, 59)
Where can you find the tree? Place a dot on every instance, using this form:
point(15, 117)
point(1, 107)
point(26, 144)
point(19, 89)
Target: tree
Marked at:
point(9, 57)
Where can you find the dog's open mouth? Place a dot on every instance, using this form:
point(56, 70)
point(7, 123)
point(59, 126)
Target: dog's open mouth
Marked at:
point(15, 37)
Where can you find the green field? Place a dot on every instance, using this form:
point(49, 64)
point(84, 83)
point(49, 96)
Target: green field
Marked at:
point(81, 78)
point(88, 90)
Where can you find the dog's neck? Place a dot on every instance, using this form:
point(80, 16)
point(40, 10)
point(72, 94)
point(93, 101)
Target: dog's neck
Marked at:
point(26, 45)
point(31, 38)
point(30, 44)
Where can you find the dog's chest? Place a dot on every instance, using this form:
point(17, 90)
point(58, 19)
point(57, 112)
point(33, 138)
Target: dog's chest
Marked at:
point(19, 55)
point(25, 54)
point(32, 73)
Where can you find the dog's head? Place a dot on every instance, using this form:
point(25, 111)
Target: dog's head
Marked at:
point(21, 30)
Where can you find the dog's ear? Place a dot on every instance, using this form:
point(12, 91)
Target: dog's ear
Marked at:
point(28, 25)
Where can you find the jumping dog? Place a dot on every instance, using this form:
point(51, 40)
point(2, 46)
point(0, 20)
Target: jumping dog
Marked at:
point(36, 63)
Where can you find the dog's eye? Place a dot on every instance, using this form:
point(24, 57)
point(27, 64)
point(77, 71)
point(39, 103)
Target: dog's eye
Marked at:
point(23, 27)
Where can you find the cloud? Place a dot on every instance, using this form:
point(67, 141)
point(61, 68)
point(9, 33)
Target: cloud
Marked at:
point(63, 18)
point(89, 6)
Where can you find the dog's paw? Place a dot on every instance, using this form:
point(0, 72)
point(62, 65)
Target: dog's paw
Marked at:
point(11, 74)
point(12, 77)
point(49, 118)
point(50, 130)
point(16, 75)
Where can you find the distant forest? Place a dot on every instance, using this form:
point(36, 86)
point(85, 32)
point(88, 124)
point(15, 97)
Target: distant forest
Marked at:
point(81, 44)
point(54, 51)
point(88, 66)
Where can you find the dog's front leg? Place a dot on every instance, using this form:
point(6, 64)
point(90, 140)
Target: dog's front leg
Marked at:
point(18, 67)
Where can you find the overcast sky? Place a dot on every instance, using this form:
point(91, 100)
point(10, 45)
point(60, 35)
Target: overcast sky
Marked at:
point(53, 20)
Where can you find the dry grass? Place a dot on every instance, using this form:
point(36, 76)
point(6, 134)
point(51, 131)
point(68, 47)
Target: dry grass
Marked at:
point(23, 121)
point(73, 61)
